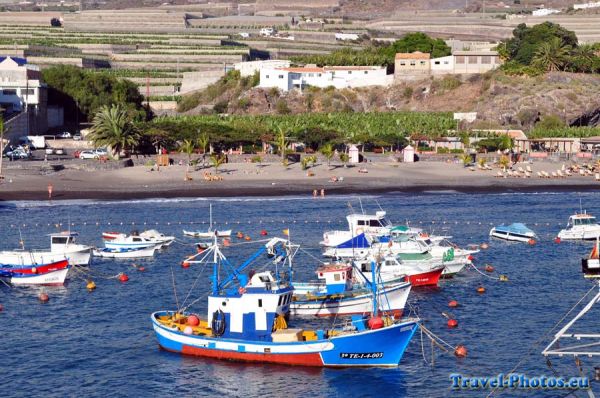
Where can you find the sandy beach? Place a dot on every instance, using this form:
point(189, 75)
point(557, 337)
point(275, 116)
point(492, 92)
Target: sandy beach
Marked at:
point(247, 179)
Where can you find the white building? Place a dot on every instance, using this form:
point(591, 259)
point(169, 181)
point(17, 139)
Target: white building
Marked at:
point(586, 5)
point(251, 67)
point(466, 62)
point(20, 85)
point(347, 36)
point(287, 79)
point(542, 12)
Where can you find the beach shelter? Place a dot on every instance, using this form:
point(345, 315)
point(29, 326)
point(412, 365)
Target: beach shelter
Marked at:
point(353, 153)
point(409, 154)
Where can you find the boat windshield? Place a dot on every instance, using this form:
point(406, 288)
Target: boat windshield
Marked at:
point(585, 221)
point(62, 240)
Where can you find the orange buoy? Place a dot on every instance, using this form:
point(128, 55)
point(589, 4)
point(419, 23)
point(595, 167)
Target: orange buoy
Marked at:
point(123, 277)
point(240, 235)
point(90, 286)
point(43, 297)
point(503, 278)
point(263, 232)
point(397, 314)
point(557, 240)
point(489, 268)
point(375, 323)
point(247, 237)
point(481, 289)
point(460, 351)
point(141, 269)
point(452, 323)
point(531, 242)
point(185, 264)
point(34, 270)
point(470, 258)
point(452, 303)
point(193, 320)
point(226, 242)
point(484, 246)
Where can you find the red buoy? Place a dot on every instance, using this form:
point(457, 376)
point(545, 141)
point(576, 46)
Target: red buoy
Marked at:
point(226, 242)
point(43, 297)
point(453, 304)
point(460, 351)
point(481, 289)
point(375, 323)
point(557, 240)
point(531, 242)
point(193, 320)
point(484, 246)
point(123, 277)
point(185, 264)
point(489, 268)
point(263, 232)
point(247, 237)
point(240, 235)
point(470, 257)
point(141, 269)
point(452, 323)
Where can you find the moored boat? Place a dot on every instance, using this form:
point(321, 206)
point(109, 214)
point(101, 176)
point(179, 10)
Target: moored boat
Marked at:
point(126, 252)
point(62, 246)
point(581, 226)
point(517, 232)
point(246, 322)
point(53, 273)
point(126, 242)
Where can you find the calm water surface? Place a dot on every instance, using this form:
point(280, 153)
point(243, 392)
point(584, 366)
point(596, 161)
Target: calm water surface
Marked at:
point(102, 344)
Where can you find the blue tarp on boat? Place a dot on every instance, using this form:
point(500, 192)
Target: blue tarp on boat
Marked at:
point(515, 228)
point(357, 242)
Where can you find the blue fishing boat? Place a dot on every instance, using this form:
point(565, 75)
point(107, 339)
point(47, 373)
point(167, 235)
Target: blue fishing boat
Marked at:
point(514, 232)
point(247, 321)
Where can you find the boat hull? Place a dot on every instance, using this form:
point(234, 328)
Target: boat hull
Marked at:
point(200, 234)
point(47, 274)
point(430, 278)
point(392, 298)
point(80, 256)
point(453, 268)
point(126, 253)
point(579, 235)
point(511, 237)
point(379, 348)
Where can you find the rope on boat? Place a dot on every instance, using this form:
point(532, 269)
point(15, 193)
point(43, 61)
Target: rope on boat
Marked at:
point(487, 276)
point(312, 256)
point(90, 274)
point(544, 336)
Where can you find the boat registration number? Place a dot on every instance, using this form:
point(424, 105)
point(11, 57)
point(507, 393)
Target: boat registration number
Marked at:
point(361, 355)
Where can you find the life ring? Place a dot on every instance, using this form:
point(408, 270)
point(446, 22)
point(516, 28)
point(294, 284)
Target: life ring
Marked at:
point(241, 290)
point(359, 231)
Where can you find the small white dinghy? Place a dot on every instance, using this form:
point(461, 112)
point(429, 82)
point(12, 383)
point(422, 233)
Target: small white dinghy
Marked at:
point(126, 252)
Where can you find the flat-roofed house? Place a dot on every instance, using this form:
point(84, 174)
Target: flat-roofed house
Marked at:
point(412, 64)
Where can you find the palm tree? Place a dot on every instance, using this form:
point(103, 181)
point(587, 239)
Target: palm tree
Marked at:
point(113, 127)
point(217, 161)
point(187, 147)
point(281, 142)
point(551, 55)
point(344, 158)
point(203, 141)
point(504, 162)
point(327, 151)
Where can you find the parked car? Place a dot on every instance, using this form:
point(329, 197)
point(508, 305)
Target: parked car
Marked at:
point(88, 155)
point(65, 134)
point(244, 35)
point(17, 153)
point(101, 152)
point(59, 151)
point(49, 151)
point(77, 137)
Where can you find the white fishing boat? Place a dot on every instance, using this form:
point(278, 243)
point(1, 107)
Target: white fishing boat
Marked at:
point(210, 233)
point(126, 252)
point(62, 246)
point(158, 237)
point(418, 273)
point(339, 295)
point(581, 226)
point(517, 232)
point(123, 242)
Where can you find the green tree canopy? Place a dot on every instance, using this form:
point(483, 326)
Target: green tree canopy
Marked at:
point(86, 92)
point(114, 128)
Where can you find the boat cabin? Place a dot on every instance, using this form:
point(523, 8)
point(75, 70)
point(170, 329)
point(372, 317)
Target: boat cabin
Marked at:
point(337, 277)
point(59, 241)
point(373, 224)
point(582, 219)
point(251, 311)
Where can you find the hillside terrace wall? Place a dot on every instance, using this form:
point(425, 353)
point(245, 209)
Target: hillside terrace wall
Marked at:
point(187, 58)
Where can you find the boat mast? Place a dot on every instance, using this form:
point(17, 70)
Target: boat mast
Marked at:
point(374, 287)
point(210, 224)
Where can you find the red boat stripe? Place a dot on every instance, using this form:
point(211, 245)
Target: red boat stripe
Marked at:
point(308, 359)
point(41, 269)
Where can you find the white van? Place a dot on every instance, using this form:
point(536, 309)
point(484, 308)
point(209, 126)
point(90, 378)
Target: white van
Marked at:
point(267, 31)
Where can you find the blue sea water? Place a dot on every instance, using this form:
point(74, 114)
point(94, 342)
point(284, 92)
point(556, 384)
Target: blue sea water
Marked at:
point(102, 343)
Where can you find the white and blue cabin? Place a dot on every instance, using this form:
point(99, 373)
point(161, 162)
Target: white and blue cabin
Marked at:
point(517, 232)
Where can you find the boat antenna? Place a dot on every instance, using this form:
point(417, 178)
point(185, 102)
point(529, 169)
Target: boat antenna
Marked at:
point(380, 208)
point(210, 225)
point(580, 207)
point(21, 241)
point(361, 206)
point(351, 208)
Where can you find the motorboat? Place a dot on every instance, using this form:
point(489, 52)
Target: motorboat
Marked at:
point(517, 232)
point(158, 237)
point(53, 273)
point(418, 273)
point(581, 226)
point(338, 294)
point(246, 321)
point(123, 241)
point(126, 252)
point(62, 246)
point(590, 266)
point(343, 244)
